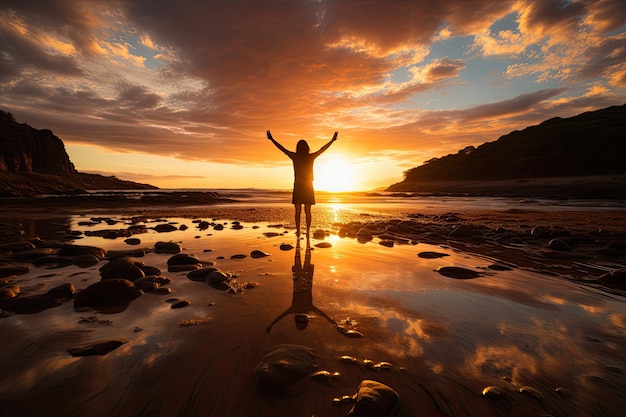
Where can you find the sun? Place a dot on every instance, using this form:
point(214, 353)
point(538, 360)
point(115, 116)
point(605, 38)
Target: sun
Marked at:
point(335, 174)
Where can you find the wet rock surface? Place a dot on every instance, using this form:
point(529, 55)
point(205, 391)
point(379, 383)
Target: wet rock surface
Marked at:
point(37, 303)
point(374, 399)
point(109, 296)
point(283, 366)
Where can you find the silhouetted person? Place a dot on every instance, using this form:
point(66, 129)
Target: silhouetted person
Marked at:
point(302, 301)
point(303, 192)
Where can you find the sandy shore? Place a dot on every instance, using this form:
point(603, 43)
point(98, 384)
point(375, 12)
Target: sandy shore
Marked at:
point(532, 320)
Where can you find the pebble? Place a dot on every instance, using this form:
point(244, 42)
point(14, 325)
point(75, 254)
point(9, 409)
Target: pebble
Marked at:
point(431, 255)
point(493, 392)
point(181, 304)
point(457, 272)
point(323, 245)
point(533, 392)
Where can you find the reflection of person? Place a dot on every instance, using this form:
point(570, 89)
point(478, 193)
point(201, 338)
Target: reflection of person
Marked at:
point(303, 192)
point(302, 301)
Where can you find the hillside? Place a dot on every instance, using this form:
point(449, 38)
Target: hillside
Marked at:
point(34, 162)
point(589, 144)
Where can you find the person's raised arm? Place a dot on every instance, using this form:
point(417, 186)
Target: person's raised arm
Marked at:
point(278, 145)
point(323, 148)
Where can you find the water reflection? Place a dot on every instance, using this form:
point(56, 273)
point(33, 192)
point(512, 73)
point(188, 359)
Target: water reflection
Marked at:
point(302, 299)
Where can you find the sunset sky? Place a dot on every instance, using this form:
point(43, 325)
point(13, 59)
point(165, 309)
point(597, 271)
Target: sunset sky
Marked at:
point(179, 94)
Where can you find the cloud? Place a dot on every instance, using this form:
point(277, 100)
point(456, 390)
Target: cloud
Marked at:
point(204, 80)
point(606, 15)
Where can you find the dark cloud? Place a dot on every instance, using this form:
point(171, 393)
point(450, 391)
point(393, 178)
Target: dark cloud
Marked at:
point(135, 97)
point(19, 53)
point(505, 108)
point(552, 16)
point(232, 69)
point(70, 19)
point(607, 15)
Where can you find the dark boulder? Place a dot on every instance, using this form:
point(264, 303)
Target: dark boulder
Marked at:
point(122, 268)
point(283, 366)
point(37, 303)
point(167, 247)
point(109, 296)
point(374, 399)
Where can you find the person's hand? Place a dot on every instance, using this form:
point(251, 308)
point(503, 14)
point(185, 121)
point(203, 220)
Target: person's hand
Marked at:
point(334, 136)
point(269, 135)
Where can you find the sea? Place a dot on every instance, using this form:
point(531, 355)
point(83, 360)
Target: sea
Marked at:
point(383, 200)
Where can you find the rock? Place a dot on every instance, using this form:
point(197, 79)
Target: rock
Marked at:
point(432, 255)
point(217, 276)
point(181, 304)
point(533, 392)
point(201, 274)
point(77, 250)
point(149, 270)
point(16, 246)
point(540, 232)
point(36, 303)
point(259, 254)
point(136, 253)
point(96, 348)
point(493, 392)
point(167, 247)
point(8, 292)
point(29, 255)
point(86, 260)
point(323, 245)
point(286, 246)
point(183, 259)
point(51, 262)
point(183, 268)
point(165, 228)
point(147, 284)
point(614, 279)
point(319, 234)
point(132, 241)
point(559, 245)
point(239, 256)
point(26, 149)
point(374, 399)
point(466, 230)
point(109, 296)
point(283, 366)
point(122, 268)
point(457, 272)
point(6, 270)
point(500, 267)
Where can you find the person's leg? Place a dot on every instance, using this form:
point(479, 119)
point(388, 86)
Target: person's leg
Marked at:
point(307, 212)
point(298, 208)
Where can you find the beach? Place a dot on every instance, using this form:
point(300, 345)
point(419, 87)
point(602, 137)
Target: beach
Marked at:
point(462, 306)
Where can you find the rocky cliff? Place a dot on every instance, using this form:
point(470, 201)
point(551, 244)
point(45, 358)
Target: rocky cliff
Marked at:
point(34, 161)
point(26, 149)
point(589, 144)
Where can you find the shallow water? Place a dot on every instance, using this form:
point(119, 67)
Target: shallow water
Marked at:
point(446, 339)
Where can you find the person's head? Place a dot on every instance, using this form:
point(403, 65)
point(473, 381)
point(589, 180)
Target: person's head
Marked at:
point(302, 320)
point(302, 147)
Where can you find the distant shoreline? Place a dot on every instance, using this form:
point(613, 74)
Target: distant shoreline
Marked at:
point(587, 187)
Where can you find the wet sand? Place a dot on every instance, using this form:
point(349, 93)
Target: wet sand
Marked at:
point(540, 326)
